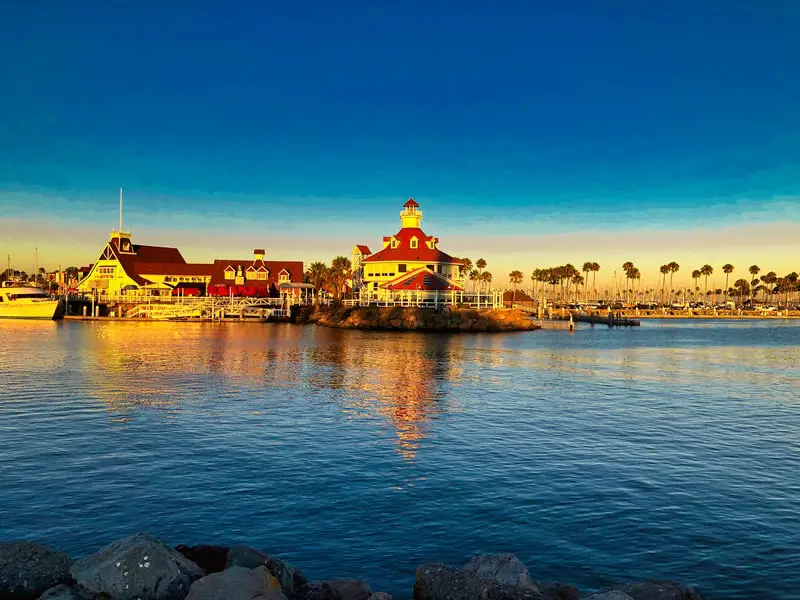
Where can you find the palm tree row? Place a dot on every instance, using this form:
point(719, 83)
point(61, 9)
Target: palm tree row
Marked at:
point(561, 279)
point(331, 278)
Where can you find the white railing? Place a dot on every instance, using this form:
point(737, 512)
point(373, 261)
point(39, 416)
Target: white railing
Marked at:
point(429, 299)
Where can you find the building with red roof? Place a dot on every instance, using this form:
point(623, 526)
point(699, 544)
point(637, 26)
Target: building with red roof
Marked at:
point(124, 267)
point(410, 260)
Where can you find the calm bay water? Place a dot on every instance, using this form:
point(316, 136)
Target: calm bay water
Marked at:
point(669, 451)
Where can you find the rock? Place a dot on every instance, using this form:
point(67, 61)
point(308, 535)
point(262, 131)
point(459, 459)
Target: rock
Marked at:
point(290, 578)
point(657, 590)
point(237, 583)
point(211, 559)
point(347, 589)
point(554, 590)
point(65, 592)
point(137, 567)
point(440, 582)
point(244, 556)
point(609, 595)
point(505, 569)
point(381, 596)
point(28, 569)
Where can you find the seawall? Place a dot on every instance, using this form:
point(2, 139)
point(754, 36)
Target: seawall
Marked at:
point(140, 567)
point(410, 318)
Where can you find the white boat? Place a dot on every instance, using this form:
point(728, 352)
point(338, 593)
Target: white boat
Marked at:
point(22, 301)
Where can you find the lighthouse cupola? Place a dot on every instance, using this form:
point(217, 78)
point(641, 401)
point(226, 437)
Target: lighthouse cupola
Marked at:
point(411, 215)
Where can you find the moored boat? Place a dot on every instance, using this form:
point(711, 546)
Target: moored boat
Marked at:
point(22, 301)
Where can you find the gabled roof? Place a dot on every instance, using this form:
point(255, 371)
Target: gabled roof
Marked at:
point(273, 268)
point(411, 202)
point(404, 251)
point(363, 249)
point(159, 254)
point(422, 279)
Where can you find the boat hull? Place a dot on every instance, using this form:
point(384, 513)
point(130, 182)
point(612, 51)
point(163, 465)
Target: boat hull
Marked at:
point(47, 309)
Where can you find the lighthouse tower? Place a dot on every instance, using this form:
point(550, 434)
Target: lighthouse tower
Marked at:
point(411, 215)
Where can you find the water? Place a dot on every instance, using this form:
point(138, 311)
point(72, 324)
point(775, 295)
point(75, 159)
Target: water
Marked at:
point(666, 451)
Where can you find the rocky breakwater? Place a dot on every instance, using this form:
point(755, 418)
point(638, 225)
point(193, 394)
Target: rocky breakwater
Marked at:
point(140, 567)
point(419, 319)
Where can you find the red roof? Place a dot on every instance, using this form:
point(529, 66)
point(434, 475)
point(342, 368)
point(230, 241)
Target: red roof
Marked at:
point(274, 267)
point(422, 279)
point(363, 249)
point(411, 202)
point(404, 251)
point(170, 268)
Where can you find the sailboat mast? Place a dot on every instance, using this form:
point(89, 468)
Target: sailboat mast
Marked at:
point(120, 210)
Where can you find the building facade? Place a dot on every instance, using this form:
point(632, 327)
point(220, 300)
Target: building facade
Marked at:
point(410, 263)
point(124, 268)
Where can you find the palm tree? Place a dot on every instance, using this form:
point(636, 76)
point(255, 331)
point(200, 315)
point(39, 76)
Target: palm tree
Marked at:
point(627, 267)
point(743, 287)
point(587, 267)
point(706, 270)
point(595, 269)
point(673, 268)
point(696, 277)
point(339, 273)
point(516, 278)
point(465, 268)
point(727, 269)
point(664, 270)
point(486, 277)
point(317, 273)
point(754, 271)
point(481, 264)
point(474, 277)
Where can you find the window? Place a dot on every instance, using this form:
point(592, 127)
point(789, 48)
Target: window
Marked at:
point(262, 275)
point(391, 274)
point(375, 286)
point(230, 274)
point(413, 242)
point(394, 243)
point(401, 268)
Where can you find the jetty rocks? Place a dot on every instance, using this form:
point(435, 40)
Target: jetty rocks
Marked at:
point(412, 318)
point(140, 567)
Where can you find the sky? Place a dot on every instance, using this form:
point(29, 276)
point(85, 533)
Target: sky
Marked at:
point(532, 133)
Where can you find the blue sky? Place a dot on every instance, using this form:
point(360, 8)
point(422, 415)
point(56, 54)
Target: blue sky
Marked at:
point(303, 126)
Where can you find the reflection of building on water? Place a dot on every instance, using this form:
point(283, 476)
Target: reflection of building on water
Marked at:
point(401, 378)
point(163, 365)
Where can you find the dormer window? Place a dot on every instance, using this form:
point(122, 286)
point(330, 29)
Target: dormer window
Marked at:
point(394, 243)
point(414, 242)
point(230, 273)
point(283, 276)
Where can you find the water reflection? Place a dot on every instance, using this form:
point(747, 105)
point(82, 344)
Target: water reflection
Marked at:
point(399, 378)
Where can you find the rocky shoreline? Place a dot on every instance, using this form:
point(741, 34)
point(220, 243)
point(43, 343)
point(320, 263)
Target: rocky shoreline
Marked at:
point(411, 318)
point(140, 567)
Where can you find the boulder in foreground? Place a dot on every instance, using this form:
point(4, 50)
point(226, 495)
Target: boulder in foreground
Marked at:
point(237, 583)
point(138, 567)
point(609, 595)
point(440, 582)
point(658, 590)
point(505, 569)
point(291, 579)
point(211, 559)
point(28, 569)
point(345, 589)
point(555, 590)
